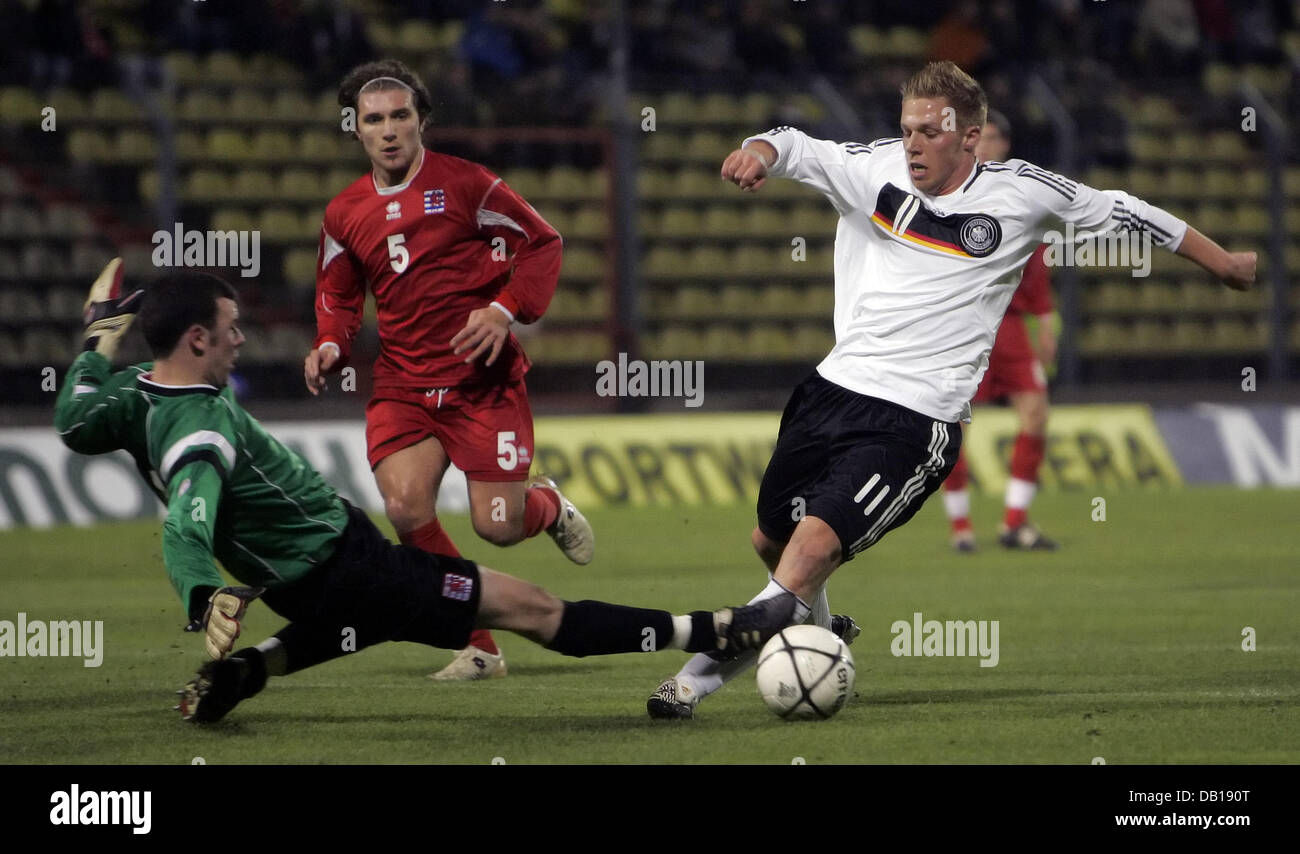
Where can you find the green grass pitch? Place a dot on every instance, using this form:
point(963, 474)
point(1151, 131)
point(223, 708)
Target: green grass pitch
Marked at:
point(1125, 645)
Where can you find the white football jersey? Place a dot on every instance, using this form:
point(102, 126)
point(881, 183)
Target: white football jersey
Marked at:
point(922, 281)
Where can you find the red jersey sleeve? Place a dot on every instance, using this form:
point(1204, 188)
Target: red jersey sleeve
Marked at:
point(1034, 296)
point(535, 249)
point(340, 292)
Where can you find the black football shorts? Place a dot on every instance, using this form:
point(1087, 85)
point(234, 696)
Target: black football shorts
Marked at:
point(860, 464)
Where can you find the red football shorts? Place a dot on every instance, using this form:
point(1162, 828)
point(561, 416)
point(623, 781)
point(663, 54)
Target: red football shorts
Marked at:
point(1013, 367)
point(487, 431)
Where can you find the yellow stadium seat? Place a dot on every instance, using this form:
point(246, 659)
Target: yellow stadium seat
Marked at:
point(583, 264)
point(279, 225)
point(450, 35)
point(20, 106)
point(1148, 146)
point(765, 221)
point(564, 182)
point(663, 262)
point(676, 109)
point(1227, 146)
point(653, 183)
point(749, 259)
point(249, 104)
point(381, 34)
point(690, 183)
point(525, 182)
point(737, 301)
point(183, 68)
point(252, 185)
point(708, 261)
point(722, 221)
point(202, 105)
point(812, 342)
point(719, 108)
point(272, 146)
point(337, 180)
point(109, 105)
point(135, 146)
point(695, 303)
point(756, 110)
point(589, 223)
point(206, 185)
point(708, 148)
point(300, 267)
point(231, 219)
point(228, 146)
point(89, 146)
point(69, 104)
point(1185, 147)
point(417, 37)
point(222, 67)
point(300, 185)
point(867, 41)
point(662, 146)
point(1251, 220)
point(905, 43)
point(722, 342)
point(290, 105)
point(767, 343)
point(1219, 80)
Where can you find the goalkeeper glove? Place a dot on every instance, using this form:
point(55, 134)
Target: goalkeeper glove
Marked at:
point(225, 609)
point(107, 313)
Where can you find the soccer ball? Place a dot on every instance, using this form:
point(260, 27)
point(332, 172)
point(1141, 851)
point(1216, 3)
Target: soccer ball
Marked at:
point(805, 672)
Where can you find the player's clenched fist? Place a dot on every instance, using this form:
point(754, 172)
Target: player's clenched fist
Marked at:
point(1240, 274)
point(225, 609)
point(747, 167)
point(317, 365)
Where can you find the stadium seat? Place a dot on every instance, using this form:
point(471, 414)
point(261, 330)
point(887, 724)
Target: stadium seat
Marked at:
point(251, 185)
point(89, 146)
point(663, 262)
point(812, 342)
point(583, 264)
point(1219, 80)
point(10, 270)
point(338, 179)
point(299, 268)
point(250, 105)
point(17, 220)
point(723, 342)
point(1225, 146)
point(719, 108)
point(228, 146)
point(110, 105)
point(707, 262)
point(182, 68)
point(134, 146)
point(42, 261)
point(767, 343)
point(1251, 221)
point(68, 221)
point(721, 221)
point(681, 221)
point(223, 68)
point(87, 260)
point(691, 183)
point(589, 223)
point(868, 41)
point(20, 106)
point(653, 184)
point(1156, 112)
point(231, 219)
point(69, 105)
point(272, 146)
point(290, 105)
point(753, 260)
point(417, 37)
point(676, 109)
point(662, 147)
point(279, 225)
point(737, 302)
point(564, 182)
point(206, 185)
point(201, 106)
point(906, 43)
point(300, 185)
point(756, 110)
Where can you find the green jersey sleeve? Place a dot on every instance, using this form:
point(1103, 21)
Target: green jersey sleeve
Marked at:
point(88, 413)
point(194, 456)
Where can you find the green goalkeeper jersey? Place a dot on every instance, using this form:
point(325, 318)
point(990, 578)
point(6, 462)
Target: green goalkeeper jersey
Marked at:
point(231, 489)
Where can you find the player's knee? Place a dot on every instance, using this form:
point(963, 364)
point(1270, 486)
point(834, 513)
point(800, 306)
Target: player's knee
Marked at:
point(408, 510)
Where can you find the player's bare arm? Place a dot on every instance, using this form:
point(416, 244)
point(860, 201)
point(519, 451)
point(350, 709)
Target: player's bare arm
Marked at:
point(747, 167)
point(317, 365)
point(1234, 269)
point(485, 332)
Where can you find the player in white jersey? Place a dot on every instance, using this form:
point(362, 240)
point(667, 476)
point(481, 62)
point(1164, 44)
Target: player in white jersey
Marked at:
point(928, 253)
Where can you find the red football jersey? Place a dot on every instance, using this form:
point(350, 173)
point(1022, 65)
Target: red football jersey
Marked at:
point(1034, 295)
point(452, 239)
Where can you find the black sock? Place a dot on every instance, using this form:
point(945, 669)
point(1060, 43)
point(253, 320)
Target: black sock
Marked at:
point(306, 646)
point(598, 628)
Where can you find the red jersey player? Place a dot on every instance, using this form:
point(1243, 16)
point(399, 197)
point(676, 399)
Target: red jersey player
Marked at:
point(453, 256)
point(1015, 373)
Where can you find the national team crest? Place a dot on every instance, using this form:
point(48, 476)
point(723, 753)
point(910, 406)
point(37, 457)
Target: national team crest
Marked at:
point(457, 587)
point(435, 201)
point(980, 235)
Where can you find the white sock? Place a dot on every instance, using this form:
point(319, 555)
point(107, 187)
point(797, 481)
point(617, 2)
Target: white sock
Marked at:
point(956, 503)
point(1020, 493)
point(276, 656)
point(703, 675)
point(821, 610)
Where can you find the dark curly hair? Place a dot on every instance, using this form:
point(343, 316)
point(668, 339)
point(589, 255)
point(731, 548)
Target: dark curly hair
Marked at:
point(350, 88)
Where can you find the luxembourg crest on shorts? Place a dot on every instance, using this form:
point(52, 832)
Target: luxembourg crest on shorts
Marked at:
point(457, 587)
point(980, 235)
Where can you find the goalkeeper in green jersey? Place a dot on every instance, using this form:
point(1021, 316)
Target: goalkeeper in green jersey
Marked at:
point(234, 493)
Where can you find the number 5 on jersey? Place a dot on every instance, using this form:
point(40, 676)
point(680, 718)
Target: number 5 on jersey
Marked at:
point(398, 255)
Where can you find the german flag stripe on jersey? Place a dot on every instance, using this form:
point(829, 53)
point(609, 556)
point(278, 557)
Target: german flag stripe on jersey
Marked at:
point(903, 216)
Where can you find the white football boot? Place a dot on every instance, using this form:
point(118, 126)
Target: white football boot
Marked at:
point(571, 530)
point(472, 663)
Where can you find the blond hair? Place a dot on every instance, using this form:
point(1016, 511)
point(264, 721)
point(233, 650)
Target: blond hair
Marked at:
point(945, 80)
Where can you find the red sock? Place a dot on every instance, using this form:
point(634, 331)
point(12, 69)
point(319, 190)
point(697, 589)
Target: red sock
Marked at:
point(1027, 456)
point(541, 509)
point(432, 538)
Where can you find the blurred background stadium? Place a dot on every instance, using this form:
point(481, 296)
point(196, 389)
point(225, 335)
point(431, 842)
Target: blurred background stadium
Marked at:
point(121, 117)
